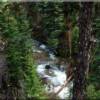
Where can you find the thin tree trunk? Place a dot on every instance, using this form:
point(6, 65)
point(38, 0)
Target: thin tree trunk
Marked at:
point(3, 70)
point(36, 21)
point(82, 64)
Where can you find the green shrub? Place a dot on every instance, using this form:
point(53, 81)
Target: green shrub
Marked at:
point(92, 93)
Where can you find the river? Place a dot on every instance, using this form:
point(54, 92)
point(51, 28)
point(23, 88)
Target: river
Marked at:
point(51, 71)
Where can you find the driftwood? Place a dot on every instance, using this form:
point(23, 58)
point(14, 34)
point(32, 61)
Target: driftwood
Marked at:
point(62, 87)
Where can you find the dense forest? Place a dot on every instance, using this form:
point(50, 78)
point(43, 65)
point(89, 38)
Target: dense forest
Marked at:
point(49, 50)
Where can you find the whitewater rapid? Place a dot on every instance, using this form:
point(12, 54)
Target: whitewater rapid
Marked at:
point(56, 81)
point(56, 77)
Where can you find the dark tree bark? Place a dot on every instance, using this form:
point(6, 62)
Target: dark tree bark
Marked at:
point(65, 37)
point(3, 70)
point(83, 57)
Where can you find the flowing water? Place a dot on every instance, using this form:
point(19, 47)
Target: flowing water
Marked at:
point(50, 71)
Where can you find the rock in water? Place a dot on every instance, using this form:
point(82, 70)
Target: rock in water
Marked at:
point(42, 46)
point(52, 56)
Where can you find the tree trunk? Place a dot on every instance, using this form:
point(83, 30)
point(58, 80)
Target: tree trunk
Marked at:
point(83, 57)
point(3, 70)
point(35, 21)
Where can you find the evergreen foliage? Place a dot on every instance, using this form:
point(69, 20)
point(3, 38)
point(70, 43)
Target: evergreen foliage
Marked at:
point(45, 22)
point(21, 66)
